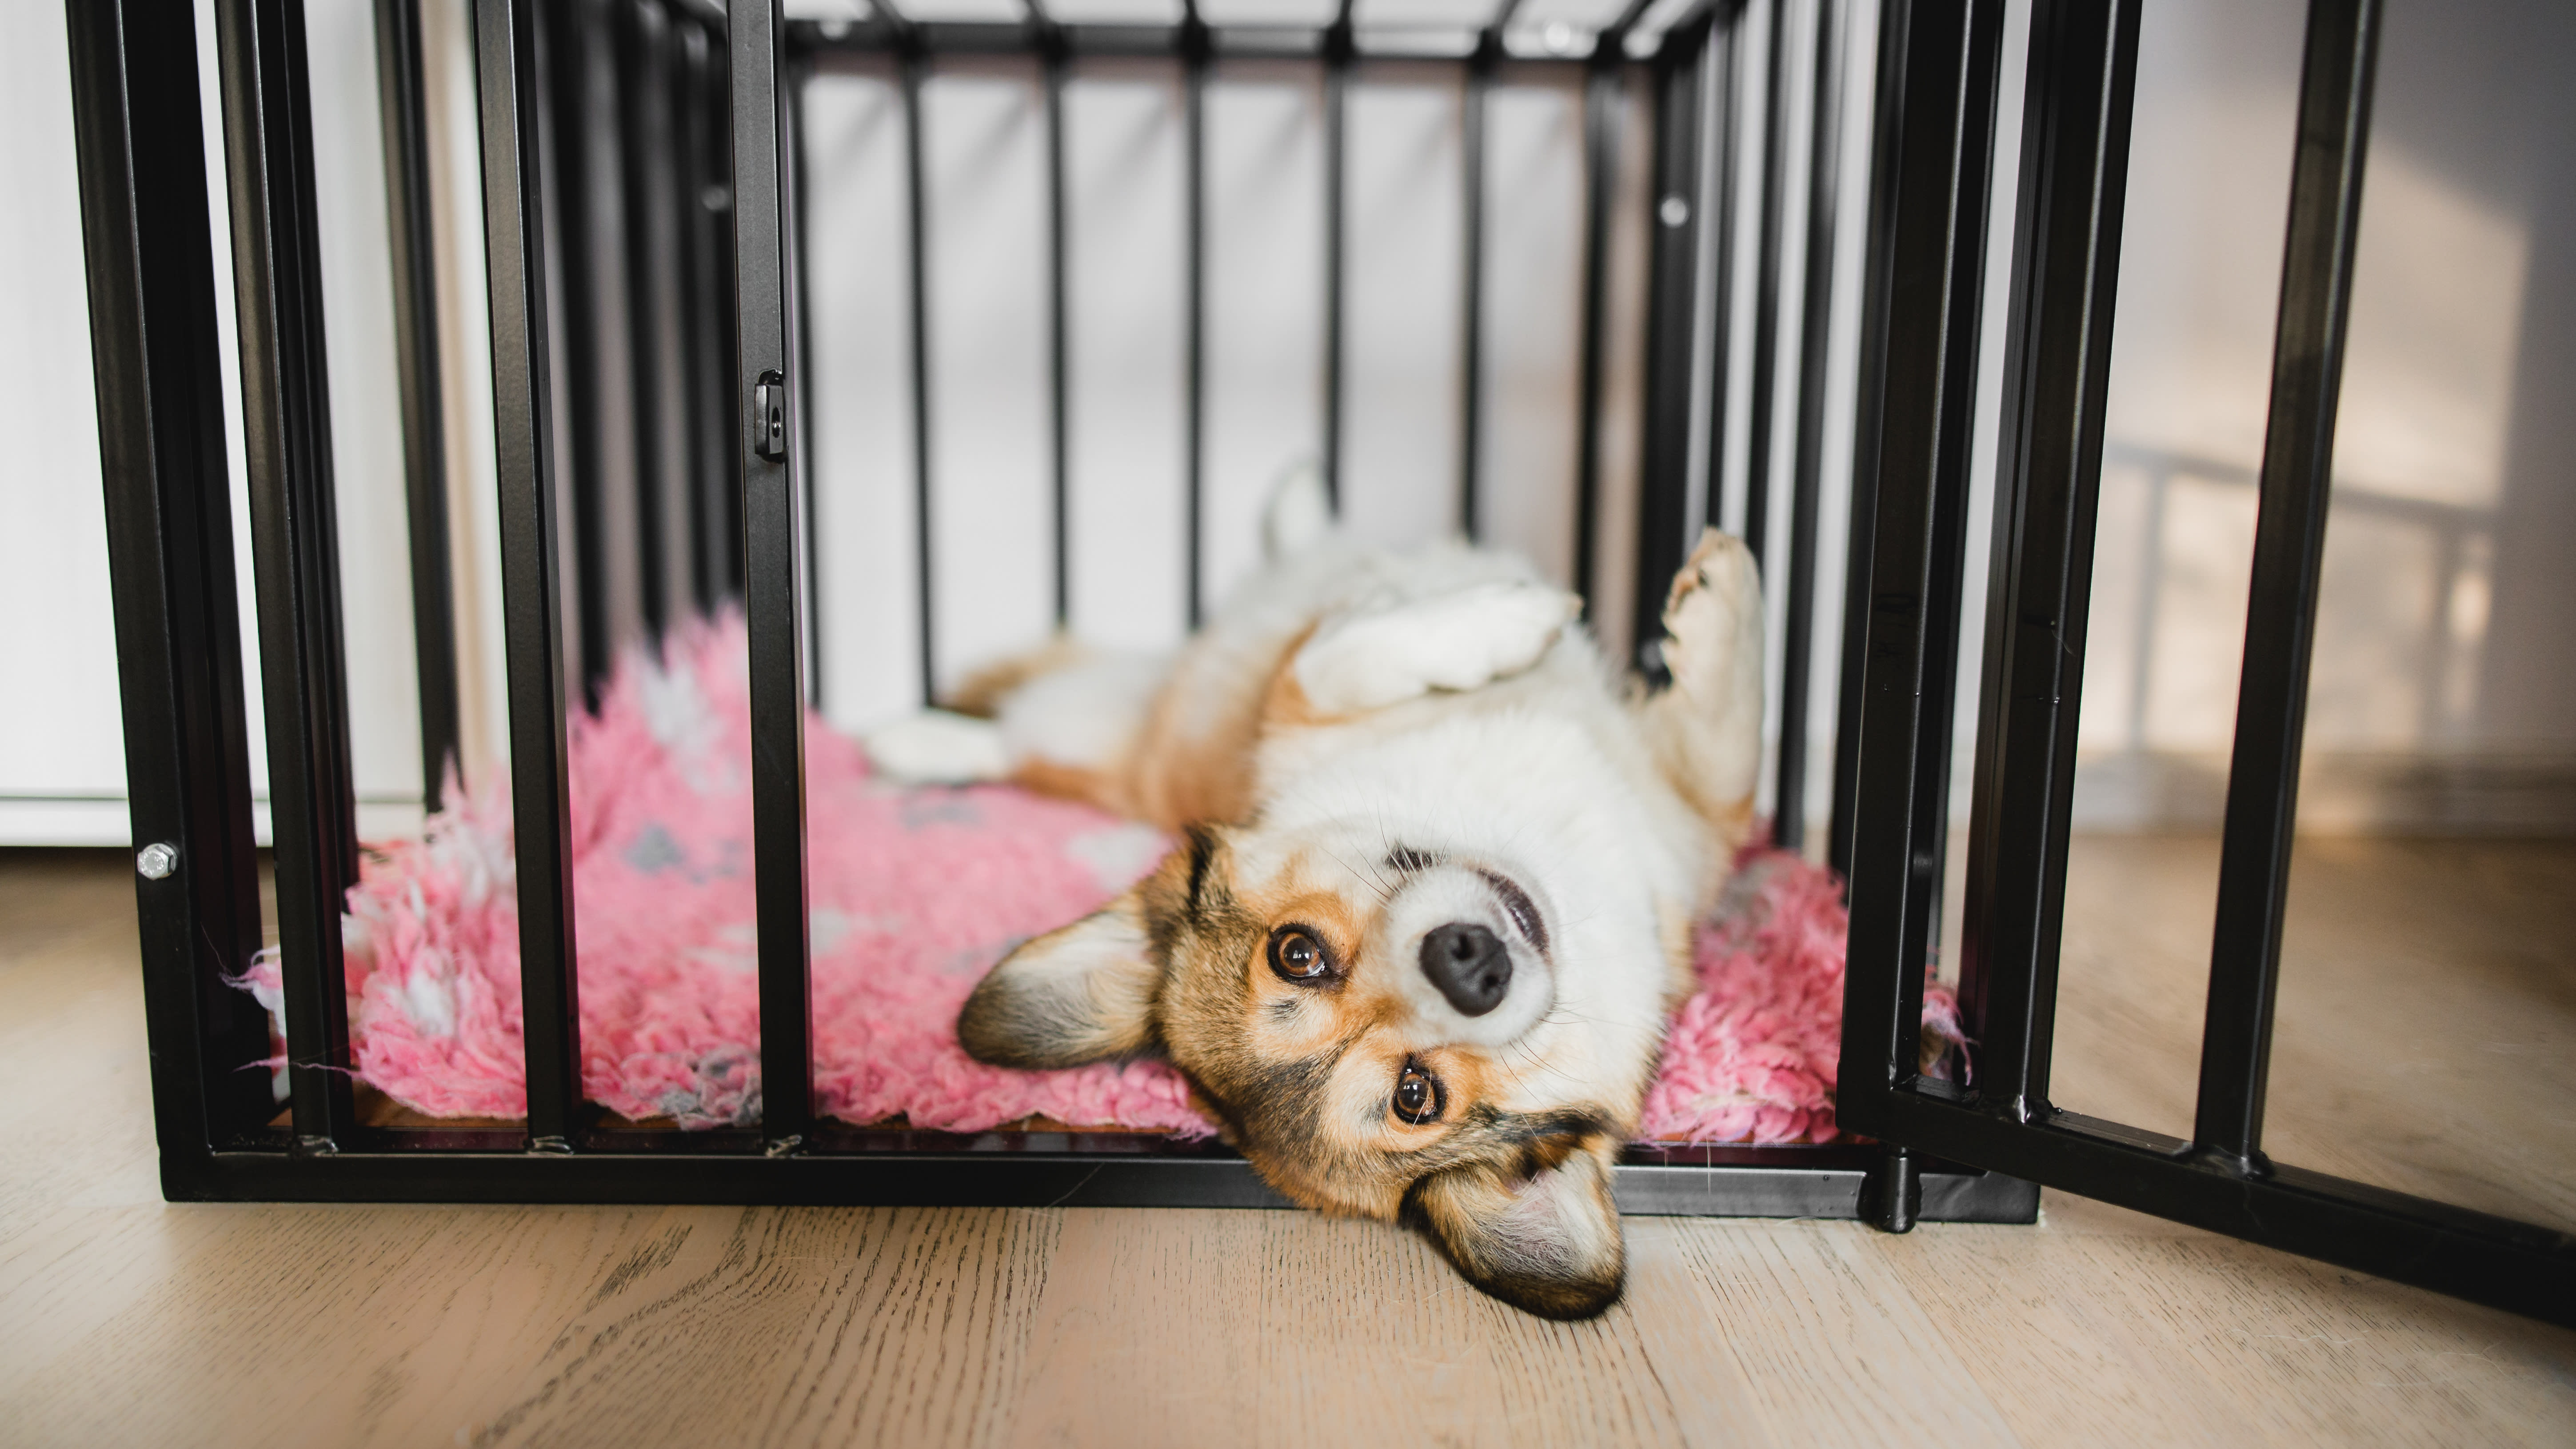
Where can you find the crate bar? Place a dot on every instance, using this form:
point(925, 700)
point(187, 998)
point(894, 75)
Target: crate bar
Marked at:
point(1471, 346)
point(706, 270)
point(415, 274)
point(629, 35)
point(506, 64)
point(874, 35)
point(1944, 591)
point(800, 69)
point(1725, 111)
point(561, 91)
point(1794, 1182)
point(153, 350)
point(1766, 296)
point(1836, 1187)
point(1471, 265)
point(2516, 1266)
point(2057, 366)
point(1055, 61)
point(912, 68)
point(648, 155)
point(716, 142)
point(1936, 103)
point(1859, 535)
point(767, 362)
point(1195, 60)
point(286, 429)
point(1806, 465)
point(1603, 99)
point(1340, 50)
point(1671, 312)
point(2289, 544)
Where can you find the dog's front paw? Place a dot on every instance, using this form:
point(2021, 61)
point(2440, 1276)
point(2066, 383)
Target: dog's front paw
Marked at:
point(1453, 641)
point(1713, 616)
point(935, 747)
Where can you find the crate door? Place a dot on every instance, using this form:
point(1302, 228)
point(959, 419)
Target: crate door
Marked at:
point(1937, 91)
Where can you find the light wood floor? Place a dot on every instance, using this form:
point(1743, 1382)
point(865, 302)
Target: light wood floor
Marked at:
point(126, 1321)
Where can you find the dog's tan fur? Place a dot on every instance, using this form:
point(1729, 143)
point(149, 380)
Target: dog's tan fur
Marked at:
point(1587, 820)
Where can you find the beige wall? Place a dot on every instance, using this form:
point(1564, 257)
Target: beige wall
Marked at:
point(2444, 689)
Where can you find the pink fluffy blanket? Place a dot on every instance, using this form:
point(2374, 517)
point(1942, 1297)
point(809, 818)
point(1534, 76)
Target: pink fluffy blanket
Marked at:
point(915, 892)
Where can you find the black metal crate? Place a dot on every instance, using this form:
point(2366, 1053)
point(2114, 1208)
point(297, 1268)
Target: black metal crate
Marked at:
point(698, 122)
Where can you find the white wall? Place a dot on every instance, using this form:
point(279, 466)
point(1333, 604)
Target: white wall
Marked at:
point(62, 777)
point(2446, 675)
point(62, 757)
point(366, 417)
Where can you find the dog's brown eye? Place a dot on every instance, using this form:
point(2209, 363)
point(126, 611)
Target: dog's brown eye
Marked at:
point(1417, 1095)
point(1297, 956)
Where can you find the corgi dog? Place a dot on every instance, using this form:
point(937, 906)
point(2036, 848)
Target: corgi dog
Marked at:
point(1432, 901)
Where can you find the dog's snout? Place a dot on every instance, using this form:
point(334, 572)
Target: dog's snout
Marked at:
point(1469, 965)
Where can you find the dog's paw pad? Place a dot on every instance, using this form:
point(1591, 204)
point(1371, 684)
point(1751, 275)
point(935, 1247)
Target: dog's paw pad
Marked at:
point(935, 747)
point(1715, 609)
point(1721, 571)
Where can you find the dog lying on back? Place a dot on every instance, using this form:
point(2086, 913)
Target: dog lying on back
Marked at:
point(1433, 899)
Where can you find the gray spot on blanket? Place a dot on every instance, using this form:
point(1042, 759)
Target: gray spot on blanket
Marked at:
point(923, 808)
point(654, 851)
point(726, 1091)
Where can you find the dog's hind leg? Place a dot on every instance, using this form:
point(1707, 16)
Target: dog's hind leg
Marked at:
point(981, 693)
point(1706, 726)
point(938, 747)
point(957, 741)
point(1063, 721)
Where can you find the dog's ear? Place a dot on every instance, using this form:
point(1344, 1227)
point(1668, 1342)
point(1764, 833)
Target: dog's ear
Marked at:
point(1548, 1244)
point(1077, 995)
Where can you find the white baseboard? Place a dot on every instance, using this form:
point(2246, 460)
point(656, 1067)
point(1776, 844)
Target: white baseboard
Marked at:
point(104, 820)
point(2339, 794)
point(47, 820)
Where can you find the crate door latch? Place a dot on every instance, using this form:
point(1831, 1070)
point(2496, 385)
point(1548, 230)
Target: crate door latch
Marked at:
point(769, 417)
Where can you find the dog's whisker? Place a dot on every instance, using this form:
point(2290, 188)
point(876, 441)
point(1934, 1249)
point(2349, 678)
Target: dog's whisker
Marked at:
point(1385, 893)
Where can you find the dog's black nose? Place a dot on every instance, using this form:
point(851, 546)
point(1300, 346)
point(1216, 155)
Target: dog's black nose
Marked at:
point(1469, 965)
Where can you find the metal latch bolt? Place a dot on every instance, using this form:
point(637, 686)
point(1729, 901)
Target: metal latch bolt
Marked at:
point(769, 417)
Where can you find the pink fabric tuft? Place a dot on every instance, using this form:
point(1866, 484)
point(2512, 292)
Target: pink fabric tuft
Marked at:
point(915, 893)
point(1751, 1057)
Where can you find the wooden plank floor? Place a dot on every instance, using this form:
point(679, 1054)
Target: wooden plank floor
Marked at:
point(124, 1320)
